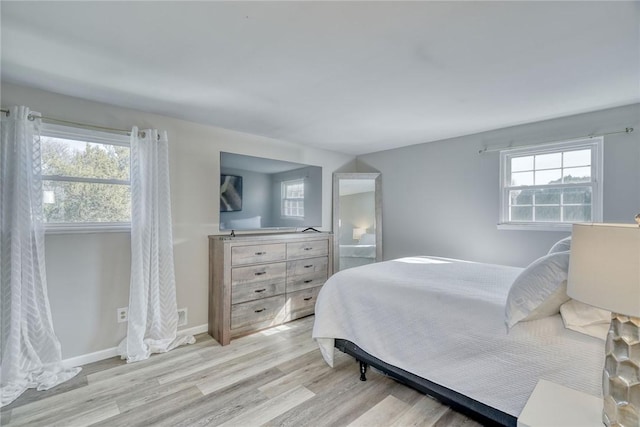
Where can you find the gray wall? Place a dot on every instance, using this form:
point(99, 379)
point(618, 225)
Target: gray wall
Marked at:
point(442, 198)
point(256, 196)
point(88, 274)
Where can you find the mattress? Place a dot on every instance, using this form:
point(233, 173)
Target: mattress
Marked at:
point(357, 251)
point(443, 320)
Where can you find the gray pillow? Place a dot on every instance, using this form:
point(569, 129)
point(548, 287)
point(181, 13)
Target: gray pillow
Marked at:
point(561, 246)
point(539, 290)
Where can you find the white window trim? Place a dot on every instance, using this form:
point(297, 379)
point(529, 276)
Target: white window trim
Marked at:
point(284, 192)
point(597, 169)
point(89, 135)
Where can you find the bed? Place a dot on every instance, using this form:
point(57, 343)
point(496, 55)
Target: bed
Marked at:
point(356, 255)
point(438, 325)
point(362, 253)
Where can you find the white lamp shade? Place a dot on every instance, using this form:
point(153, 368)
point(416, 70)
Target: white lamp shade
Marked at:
point(604, 268)
point(358, 232)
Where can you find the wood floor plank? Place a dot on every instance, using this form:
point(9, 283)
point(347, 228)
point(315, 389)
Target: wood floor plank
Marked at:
point(382, 414)
point(266, 361)
point(153, 411)
point(156, 363)
point(220, 355)
point(270, 409)
point(425, 412)
point(276, 377)
point(81, 416)
point(338, 405)
point(219, 407)
point(313, 368)
point(455, 419)
point(5, 416)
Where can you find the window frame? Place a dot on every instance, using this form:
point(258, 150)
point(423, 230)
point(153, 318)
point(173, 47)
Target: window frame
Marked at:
point(595, 144)
point(284, 185)
point(93, 136)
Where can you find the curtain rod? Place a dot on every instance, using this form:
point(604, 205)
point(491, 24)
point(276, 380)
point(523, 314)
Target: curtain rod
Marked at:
point(592, 135)
point(85, 125)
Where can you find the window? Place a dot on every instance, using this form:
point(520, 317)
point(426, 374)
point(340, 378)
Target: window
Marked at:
point(85, 179)
point(293, 198)
point(551, 186)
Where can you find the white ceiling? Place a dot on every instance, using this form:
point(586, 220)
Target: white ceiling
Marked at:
point(354, 77)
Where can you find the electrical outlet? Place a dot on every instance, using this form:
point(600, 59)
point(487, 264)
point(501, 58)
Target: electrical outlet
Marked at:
point(123, 314)
point(182, 317)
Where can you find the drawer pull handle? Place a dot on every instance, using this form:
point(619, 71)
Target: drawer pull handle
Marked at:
point(308, 281)
point(308, 298)
point(261, 253)
point(260, 311)
point(308, 266)
point(260, 273)
point(260, 290)
point(308, 249)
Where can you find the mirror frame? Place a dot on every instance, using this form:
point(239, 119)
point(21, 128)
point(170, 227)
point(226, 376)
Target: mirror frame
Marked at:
point(337, 176)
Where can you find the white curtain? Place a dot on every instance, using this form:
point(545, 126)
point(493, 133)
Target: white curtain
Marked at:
point(153, 311)
point(30, 350)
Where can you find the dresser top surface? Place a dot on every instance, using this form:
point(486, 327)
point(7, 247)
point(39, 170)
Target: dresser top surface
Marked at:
point(270, 236)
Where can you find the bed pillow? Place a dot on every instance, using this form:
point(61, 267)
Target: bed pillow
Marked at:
point(539, 290)
point(586, 319)
point(561, 245)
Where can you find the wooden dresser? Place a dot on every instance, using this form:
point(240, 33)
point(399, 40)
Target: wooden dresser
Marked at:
point(260, 280)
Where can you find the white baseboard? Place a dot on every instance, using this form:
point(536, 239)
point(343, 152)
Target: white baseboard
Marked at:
point(83, 359)
point(113, 351)
point(201, 329)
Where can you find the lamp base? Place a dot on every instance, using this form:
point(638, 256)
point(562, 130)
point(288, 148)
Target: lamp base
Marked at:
point(621, 376)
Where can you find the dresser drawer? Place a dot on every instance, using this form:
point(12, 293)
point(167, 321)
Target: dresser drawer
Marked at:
point(302, 303)
point(307, 266)
point(241, 292)
point(248, 313)
point(305, 281)
point(307, 249)
point(253, 254)
point(258, 273)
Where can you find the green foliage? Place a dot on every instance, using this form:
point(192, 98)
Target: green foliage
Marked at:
point(82, 201)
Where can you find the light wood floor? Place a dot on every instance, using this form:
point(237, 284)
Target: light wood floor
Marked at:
point(274, 378)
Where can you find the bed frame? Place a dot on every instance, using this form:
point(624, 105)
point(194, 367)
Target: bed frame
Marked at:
point(482, 413)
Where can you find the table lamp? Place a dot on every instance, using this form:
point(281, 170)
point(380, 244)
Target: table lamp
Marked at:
point(604, 271)
point(358, 233)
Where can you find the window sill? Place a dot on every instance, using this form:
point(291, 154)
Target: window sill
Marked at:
point(87, 228)
point(535, 227)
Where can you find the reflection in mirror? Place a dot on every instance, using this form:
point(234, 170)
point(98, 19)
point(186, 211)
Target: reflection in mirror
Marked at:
point(357, 219)
point(257, 193)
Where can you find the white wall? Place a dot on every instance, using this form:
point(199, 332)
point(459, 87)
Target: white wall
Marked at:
point(88, 274)
point(442, 198)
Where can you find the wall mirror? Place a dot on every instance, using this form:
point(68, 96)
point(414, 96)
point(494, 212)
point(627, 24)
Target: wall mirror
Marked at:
point(357, 219)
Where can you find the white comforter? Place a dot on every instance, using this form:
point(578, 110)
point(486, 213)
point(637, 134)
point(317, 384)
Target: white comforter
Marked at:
point(443, 320)
point(358, 251)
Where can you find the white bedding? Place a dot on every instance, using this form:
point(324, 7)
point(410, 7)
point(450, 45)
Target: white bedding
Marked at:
point(357, 251)
point(443, 320)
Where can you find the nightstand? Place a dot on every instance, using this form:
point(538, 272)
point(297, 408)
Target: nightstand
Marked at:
point(553, 405)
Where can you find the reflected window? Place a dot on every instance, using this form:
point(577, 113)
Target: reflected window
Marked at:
point(293, 198)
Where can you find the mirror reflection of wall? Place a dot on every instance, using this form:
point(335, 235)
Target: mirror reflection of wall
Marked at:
point(272, 193)
point(357, 209)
